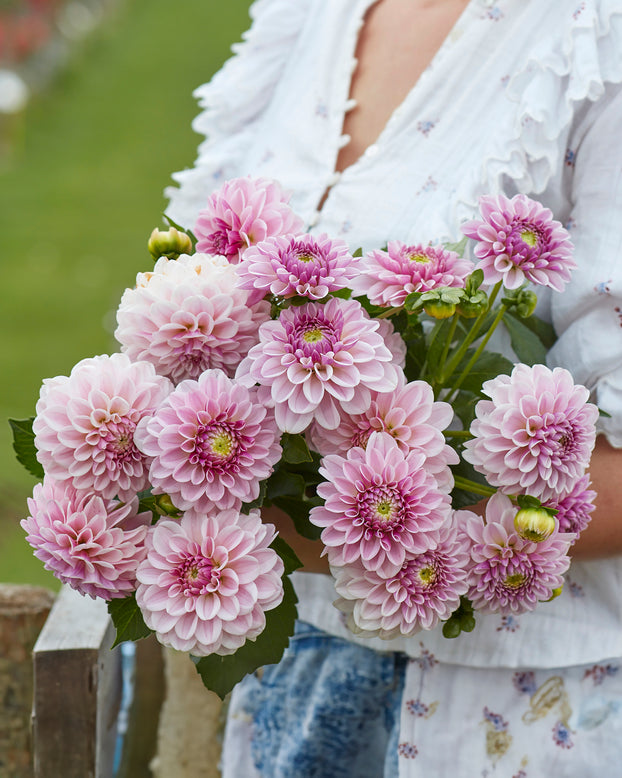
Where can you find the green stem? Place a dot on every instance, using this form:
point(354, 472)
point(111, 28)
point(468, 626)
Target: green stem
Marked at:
point(458, 434)
point(433, 334)
point(450, 337)
point(472, 486)
point(390, 312)
point(471, 334)
point(476, 355)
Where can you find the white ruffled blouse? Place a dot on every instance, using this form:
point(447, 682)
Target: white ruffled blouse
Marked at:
point(523, 96)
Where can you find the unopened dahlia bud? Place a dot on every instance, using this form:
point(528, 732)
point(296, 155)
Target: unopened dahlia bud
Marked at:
point(526, 303)
point(555, 593)
point(441, 303)
point(169, 243)
point(472, 306)
point(535, 524)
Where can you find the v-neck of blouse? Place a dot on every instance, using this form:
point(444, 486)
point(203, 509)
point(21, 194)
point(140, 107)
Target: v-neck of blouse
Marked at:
point(347, 69)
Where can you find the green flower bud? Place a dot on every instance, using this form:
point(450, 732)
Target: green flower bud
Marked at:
point(451, 628)
point(169, 243)
point(472, 306)
point(164, 506)
point(535, 524)
point(555, 594)
point(441, 303)
point(526, 303)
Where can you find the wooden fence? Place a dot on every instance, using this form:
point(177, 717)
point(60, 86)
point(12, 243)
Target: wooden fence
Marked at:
point(62, 716)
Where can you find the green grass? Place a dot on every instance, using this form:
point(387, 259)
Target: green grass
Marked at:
point(79, 198)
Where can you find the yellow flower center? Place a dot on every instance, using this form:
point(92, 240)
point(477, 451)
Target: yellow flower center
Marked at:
point(529, 237)
point(222, 444)
point(427, 575)
point(422, 258)
point(515, 580)
point(313, 336)
point(306, 257)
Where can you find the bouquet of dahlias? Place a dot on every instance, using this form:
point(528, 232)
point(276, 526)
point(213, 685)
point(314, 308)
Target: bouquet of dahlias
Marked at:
point(264, 366)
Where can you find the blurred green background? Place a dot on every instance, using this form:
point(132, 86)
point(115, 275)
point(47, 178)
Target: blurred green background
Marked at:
point(80, 191)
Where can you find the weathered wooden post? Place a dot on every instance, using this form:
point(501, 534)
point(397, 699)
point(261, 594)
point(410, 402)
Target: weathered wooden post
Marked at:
point(77, 690)
point(23, 611)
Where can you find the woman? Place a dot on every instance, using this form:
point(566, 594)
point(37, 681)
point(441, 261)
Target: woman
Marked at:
point(387, 120)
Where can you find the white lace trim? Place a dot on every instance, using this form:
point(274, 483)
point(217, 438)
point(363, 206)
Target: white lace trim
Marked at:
point(546, 89)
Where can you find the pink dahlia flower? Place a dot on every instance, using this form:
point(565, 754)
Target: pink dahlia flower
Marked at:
point(316, 358)
point(535, 434)
point(89, 543)
point(212, 442)
point(388, 277)
point(304, 266)
point(244, 211)
point(518, 241)
point(427, 588)
point(187, 316)
point(207, 581)
point(409, 414)
point(574, 507)
point(85, 424)
point(381, 505)
point(509, 574)
point(393, 341)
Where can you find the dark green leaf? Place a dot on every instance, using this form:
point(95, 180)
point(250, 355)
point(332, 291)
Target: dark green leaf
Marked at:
point(488, 365)
point(127, 619)
point(295, 449)
point(298, 511)
point(287, 554)
point(526, 344)
point(604, 414)
point(461, 498)
point(24, 446)
point(464, 407)
point(358, 252)
point(282, 483)
point(221, 673)
point(436, 346)
point(343, 294)
point(543, 329)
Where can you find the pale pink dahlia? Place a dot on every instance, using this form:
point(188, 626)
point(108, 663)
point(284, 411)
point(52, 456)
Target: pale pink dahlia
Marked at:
point(535, 434)
point(207, 580)
point(92, 544)
point(409, 414)
point(212, 442)
point(289, 266)
point(244, 211)
point(188, 315)
point(427, 588)
point(518, 241)
point(85, 424)
point(574, 507)
point(381, 505)
point(388, 277)
point(316, 358)
point(393, 341)
point(509, 574)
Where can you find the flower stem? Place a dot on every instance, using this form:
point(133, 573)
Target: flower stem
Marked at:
point(471, 334)
point(458, 434)
point(472, 486)
point(478, 351)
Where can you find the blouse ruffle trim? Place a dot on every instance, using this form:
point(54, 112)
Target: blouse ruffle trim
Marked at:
point(548, 86)
point(234, 98)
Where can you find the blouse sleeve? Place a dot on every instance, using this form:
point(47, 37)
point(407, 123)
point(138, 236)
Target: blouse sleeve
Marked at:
point(233, 101)
point(588, 315)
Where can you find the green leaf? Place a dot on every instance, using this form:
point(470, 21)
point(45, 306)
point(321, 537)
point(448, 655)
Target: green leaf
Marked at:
point(127, 619)
point(436, 346)
point(604, 414)
point(358, 252)
point(343, 294)
point(221, 673)
point(543, 329)
point(458, 247)
point(464, 407)
point(526, 344)
point(295, 449)
point(489, 365)
point(287, 554)
point(461, 498)
point(24, 446)
point(298, 511)
point(248, 506)
point(282, 483)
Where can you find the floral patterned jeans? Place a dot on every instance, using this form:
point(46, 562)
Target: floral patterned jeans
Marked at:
point(333, 709)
